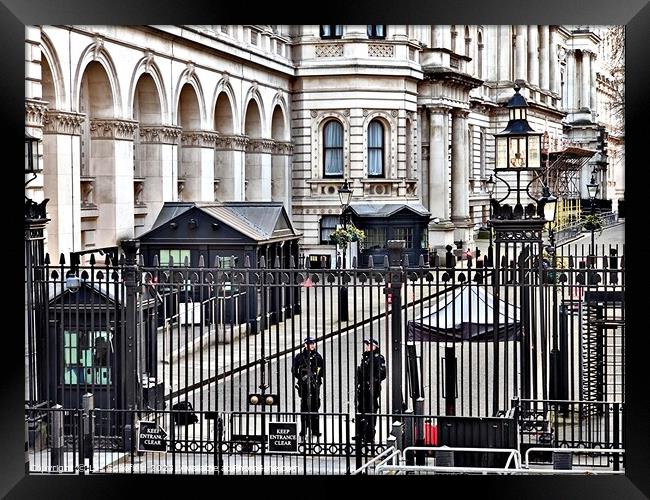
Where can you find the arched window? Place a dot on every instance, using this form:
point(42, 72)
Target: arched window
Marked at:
point(333, 149)
point(375, 149)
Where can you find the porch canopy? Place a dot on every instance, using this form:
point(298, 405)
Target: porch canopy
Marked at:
point(467, 315)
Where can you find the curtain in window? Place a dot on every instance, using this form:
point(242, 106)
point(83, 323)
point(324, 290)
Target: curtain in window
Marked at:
point(375, 148)
point(333, 148)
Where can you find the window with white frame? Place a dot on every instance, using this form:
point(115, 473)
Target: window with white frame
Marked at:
point(404, 233)
point(87, 357)
point(375, 149)
point(331, 30)
point(333, 149)
point(376, 31)
point(178, 256)
point(327, 226)
point(375, 238)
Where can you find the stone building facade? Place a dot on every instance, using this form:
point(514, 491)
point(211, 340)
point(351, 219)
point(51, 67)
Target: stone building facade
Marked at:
point(133, 116)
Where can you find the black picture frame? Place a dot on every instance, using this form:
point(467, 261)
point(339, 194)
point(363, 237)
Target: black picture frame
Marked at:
point(15, 14)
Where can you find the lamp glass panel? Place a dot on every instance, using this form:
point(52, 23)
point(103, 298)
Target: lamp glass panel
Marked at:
point(517, 152)
point(549, 210)
point(534, 145)
point(502, 152)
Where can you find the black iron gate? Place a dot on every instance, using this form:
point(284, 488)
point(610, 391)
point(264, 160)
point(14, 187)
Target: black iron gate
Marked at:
point(146, 339)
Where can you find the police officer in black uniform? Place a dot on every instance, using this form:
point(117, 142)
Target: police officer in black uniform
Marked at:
point(309, 369)
point(370, 373)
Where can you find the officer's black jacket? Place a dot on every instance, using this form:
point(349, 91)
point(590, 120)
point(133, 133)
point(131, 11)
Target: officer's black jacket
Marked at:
point(371, 371)
point(308, 368)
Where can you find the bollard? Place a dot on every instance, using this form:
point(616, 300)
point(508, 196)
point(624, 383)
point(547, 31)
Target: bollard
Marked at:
point(88, 404)
point(444, 458)
point(419, 431)
point(408, 436)
point(397, 431)
point(56, 453)
point(562, 460)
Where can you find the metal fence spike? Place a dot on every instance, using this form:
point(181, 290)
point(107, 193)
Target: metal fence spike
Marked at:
point(292, 262)
point(201, 261)
point(262, 262)
point(62, 260)
point(47, 259)
point(354, 262)
point(421, 261)
point(156, 262)
point(186, 261)
point(276, 264)
point(386, 262)
point(371, 262)
point(247, 261)
point(406, 260)
point(92, 259)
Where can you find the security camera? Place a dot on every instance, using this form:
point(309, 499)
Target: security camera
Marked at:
point(73, 283)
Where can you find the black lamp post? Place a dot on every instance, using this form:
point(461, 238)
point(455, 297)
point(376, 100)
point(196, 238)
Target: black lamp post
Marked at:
point(35, 221)
point(345, 195)
point(518, 149)
point(547, 207)
point(490, 185)
point(592, 190)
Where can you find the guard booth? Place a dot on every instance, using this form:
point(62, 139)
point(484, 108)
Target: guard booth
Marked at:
point(391, 221)
point(225, 236)
point(84, 348)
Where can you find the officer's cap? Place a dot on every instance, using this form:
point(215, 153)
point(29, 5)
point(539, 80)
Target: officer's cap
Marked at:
point(309, 340)
point(373, 341)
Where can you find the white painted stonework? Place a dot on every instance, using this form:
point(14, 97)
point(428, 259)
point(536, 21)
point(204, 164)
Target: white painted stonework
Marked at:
point(133, 116)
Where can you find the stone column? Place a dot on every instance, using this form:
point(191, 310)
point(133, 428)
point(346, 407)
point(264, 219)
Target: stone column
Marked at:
point(585, 93)
point(229, 167)
point(258, 169)
point(281, 173)
point(521, 54)
point(554, 56)
point(197, 164)
point(569, 81)
point(423, 133)
point(61, 181)
point(159, 167)
point(544, 66)
point(460, 176)
point(438, 174)
point(533, 56)
point(111, 163)
point(592, 84)
point(504, 53)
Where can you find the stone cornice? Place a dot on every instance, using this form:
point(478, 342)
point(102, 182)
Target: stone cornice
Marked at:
point(282, 148)
point(199, 138)
point(34, 112)
point(63, 122)
point(459, 113)
point(260, 146)
point(112, 129)
point(231, 142)
point(450, 77)
point(160, 134)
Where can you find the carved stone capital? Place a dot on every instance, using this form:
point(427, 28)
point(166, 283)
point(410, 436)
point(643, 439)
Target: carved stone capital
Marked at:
point(199, 138)
point(459, 113)
point(231, 142)
point(260, 146)
point(62, 122)
point(283, 148)
point(113, 129)
point(160, 134)
point(34, 112)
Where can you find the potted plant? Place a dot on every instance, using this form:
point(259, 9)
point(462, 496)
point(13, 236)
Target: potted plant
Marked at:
point(343, 236)
point(593, 222)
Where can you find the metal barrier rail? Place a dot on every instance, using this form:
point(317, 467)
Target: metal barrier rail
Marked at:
point(513, 453)
point(389, 451)
point(572, 450)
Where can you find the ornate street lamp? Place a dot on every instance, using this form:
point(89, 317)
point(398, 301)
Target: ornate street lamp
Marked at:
point(547, 208)
point(592, 190)
point(518, 230)
point(518, 148)
point(345, 195)
point(489, 186)
point(32, 154)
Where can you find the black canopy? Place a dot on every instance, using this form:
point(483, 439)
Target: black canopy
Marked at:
point(467, 315)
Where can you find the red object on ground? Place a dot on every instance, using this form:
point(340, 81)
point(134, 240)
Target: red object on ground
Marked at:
point(430, 434)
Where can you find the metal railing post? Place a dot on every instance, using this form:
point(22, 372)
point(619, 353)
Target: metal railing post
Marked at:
point(56, 452)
